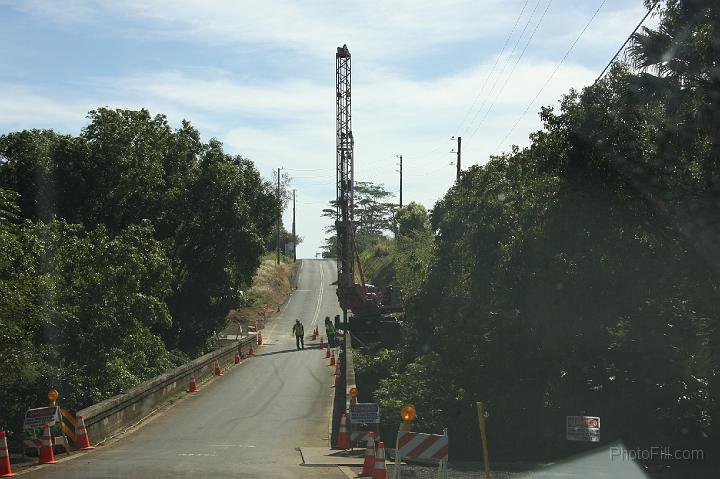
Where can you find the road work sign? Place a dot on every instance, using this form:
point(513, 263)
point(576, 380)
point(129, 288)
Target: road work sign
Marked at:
point(582, 428)
point(365, 413)
point(35, 418)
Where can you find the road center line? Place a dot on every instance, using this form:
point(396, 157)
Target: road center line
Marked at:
point(320, 295)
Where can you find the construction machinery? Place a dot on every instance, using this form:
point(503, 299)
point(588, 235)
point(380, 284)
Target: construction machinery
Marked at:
point(370, 306)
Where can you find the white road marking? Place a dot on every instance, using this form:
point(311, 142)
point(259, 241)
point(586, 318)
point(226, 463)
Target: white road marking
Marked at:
point(319, 302)
point(196, 454)
point(229, 445)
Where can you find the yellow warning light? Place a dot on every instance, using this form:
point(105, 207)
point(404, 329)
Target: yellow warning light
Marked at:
point(353, 392)
point(53, 395)
point(407, 413)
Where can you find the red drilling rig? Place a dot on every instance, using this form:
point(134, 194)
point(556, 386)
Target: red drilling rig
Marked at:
point(370, 306)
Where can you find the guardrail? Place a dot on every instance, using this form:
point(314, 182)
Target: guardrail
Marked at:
point(115, 414)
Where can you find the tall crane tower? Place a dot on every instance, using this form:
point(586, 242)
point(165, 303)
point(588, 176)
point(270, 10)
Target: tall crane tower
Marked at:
point(344, 177)
point(368, 304)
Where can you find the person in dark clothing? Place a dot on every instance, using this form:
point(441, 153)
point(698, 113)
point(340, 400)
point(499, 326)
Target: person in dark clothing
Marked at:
point(299, 332)
point(330, 331)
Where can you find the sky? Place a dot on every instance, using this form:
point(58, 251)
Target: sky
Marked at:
point(260, 77)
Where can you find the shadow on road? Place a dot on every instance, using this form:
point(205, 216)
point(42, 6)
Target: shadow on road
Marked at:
point(283, 351)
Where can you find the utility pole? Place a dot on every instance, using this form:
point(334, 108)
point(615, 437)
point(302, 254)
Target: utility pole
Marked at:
point(401, 203)
point(277, 224)
point(459, 151)
point(293, 231)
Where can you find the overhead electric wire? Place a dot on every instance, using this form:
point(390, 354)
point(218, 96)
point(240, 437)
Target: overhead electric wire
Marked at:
point(502, 71)
point(562, 60)
point(507, 80)
point(626, 41)
point(492, 70)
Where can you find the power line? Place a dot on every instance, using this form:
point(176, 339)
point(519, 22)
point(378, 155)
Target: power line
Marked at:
point(492, 70)
point(626, 41)
point(562, 60)
point(485, 82)
point(507, 80)
point(502, 71)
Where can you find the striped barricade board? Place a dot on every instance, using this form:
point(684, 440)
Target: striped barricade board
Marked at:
point(418, 445)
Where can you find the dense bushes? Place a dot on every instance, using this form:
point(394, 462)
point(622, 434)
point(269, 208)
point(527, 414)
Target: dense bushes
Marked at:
point(580, 274)
point(121, 252)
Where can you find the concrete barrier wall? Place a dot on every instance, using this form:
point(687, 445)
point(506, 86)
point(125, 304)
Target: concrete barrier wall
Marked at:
point(119, 412)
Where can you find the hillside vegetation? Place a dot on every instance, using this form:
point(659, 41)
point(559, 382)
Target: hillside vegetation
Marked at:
point(579, 275)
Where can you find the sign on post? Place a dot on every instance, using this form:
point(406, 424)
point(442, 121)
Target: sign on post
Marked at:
point(365, 413)
point(582, 428)
point(35, 418)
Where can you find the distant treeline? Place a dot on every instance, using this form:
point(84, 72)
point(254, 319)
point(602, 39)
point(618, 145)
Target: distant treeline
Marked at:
point(579, 275)
point(121, 252)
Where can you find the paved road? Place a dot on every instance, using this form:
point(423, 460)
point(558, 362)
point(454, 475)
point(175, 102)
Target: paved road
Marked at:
point(248, 423)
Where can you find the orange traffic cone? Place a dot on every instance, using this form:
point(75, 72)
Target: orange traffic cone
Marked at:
point(322, 345)
point(218, 371)
point(83, 440)
point(343, 437)
point(192, 387)
point(259, 338)
point(5, 470)
point(237, 359)
point(327, 353)
point(332, 358)
point(369, 463)
point(47, 456)
point(380, 471)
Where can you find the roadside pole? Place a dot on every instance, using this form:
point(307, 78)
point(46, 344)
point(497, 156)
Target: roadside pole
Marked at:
point(481, 420)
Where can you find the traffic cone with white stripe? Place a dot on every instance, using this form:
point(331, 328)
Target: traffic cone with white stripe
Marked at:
point(192, 387)
point(237, 359)
point(47, 455)
point(218, 371)
point(343, 436)
point(380, 470)
point(322, 345)
point(5, 470)
point(369, 463)
point(83, 440)
point(332, 358)
point(327, 353)
point(259, 338)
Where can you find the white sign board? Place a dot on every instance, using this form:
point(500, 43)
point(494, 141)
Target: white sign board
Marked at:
point(35, 418)
point(582, 428)
point(365, 413)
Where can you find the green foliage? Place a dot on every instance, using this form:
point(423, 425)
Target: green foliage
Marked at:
point(580, 274)
point(121, 253)
point(374, 217)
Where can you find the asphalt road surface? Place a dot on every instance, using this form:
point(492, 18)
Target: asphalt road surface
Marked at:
point(248, 423)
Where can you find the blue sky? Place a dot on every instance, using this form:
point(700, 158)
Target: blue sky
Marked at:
point(259, 76)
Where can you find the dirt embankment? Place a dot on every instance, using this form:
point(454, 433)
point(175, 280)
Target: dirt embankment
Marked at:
point(271, 285)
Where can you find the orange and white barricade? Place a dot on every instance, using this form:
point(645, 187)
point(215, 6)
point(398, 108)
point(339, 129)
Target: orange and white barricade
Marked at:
point(417, 445)
point(357, 438)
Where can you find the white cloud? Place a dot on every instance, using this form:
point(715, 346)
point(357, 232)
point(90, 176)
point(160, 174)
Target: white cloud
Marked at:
point(23, 108)
point(290, 121)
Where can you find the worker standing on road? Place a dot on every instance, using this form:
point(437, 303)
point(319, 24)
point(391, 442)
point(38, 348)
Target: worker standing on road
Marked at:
point(330, 331)
point(299, 332)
